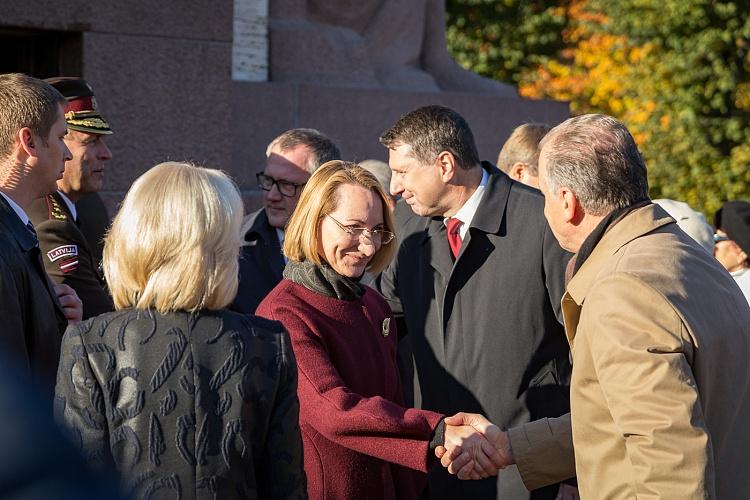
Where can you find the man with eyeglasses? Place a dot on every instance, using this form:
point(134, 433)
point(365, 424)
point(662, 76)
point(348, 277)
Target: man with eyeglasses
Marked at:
point(291, 158)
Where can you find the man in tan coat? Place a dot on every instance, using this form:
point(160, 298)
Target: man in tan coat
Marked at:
point(659, 336)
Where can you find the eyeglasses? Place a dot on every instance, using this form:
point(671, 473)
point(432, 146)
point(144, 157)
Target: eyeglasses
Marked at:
point(286, 188)
point(720, 237)
point(377, 236)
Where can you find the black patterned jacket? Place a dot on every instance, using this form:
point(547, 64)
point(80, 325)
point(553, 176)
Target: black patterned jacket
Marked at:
point(187, 406)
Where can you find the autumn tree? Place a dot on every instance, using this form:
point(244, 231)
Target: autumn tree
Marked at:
point(675, 72)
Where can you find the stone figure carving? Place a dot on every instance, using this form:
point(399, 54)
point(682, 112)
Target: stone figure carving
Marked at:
point(393, 44)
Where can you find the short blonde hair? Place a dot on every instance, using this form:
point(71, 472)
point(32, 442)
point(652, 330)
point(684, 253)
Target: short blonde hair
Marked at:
point(523, 146)
point(174, 244)
point(319, 198)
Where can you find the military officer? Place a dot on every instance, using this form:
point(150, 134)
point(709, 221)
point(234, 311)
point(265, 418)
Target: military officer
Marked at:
point(68, 257)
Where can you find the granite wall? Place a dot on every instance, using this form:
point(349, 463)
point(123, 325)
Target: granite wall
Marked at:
point(162, 73)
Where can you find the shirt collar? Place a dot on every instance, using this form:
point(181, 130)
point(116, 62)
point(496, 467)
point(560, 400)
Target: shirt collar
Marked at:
point(466, 213)
point(71, 206)
point(17, 209)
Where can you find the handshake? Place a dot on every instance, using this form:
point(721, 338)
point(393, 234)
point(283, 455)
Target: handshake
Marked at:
point(474, 447)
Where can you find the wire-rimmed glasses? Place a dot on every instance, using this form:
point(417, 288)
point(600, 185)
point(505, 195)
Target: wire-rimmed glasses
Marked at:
point(377, 236)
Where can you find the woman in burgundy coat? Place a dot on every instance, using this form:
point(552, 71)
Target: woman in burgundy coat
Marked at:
point(359, 440)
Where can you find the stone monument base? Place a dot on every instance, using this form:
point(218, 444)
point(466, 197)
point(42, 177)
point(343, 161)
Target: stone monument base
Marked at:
point(354, 118)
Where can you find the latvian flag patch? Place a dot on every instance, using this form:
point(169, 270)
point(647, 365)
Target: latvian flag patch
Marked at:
point(69, 265)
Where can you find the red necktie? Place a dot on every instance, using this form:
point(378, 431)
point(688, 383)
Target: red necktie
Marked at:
point(454, 235)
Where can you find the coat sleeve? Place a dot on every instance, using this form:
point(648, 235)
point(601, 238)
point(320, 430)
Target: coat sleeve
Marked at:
point(373, 425)
point(282, 473)
point(13, 334)
point(387, 285)
point(555, 262)
point(79, 399)
point(642, 357)
point(81, 272)
point(543, 450)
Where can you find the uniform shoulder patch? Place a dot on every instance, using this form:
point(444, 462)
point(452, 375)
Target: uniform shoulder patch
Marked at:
point(55, 211)
point(62, 251)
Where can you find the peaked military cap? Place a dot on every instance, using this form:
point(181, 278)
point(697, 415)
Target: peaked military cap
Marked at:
point(81, 111)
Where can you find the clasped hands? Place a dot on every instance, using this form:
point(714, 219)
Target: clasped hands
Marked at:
point(474, 447)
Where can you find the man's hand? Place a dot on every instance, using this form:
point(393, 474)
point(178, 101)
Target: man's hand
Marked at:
point(467, 453)
point(71, 305)
point(465, 465)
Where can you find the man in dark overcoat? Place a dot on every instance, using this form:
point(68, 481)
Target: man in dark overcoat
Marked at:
point(67, 255)
point(291, 158)
point(477, 281)
point(33, 311)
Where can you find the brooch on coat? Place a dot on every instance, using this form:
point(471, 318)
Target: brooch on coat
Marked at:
point(386, 327)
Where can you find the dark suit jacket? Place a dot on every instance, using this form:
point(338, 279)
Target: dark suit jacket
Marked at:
point(203, 404)
point(93, 221)
point(261, 264)
point(485, 331)
point(31, 319)
point(66, 254)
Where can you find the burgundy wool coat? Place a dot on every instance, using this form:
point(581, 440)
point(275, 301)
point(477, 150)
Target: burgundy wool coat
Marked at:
point(359, 441)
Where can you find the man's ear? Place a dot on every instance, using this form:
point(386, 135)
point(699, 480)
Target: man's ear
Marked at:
point(517, 170)
point(26, 141)
point(446, 165)
point(571, 208)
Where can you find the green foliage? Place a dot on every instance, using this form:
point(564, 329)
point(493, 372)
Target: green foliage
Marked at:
point(676, 72)
point(502, 38)
point(696, 75)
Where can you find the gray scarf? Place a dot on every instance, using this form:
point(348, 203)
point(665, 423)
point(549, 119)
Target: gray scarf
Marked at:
point(324, 280)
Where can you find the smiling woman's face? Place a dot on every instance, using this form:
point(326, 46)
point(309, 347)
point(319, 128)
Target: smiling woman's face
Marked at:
point(349, 254)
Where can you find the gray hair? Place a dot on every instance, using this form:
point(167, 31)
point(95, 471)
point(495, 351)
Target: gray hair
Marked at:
point(595, 157)
point(322, 149)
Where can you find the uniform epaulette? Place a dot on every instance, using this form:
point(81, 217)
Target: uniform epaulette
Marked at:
point(54, 210)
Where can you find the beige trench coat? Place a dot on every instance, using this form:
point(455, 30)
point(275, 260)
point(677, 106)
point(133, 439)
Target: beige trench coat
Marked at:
point(660, 395)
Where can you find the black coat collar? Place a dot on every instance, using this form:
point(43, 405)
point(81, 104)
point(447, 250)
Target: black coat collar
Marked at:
point(262, 234)
point(491, 210)
point(488, 219)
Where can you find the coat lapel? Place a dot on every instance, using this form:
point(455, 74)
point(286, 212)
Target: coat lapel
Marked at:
point(475, 248)
point(487, 219)
point(634, 225)
point(441, 258)
point(262, 235)
point(28, 244)
point(571, 314)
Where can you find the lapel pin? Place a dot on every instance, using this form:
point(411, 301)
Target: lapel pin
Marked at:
point(386, 327)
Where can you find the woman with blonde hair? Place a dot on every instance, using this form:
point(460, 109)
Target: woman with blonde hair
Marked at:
point(359, 440)
point(184, 396)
